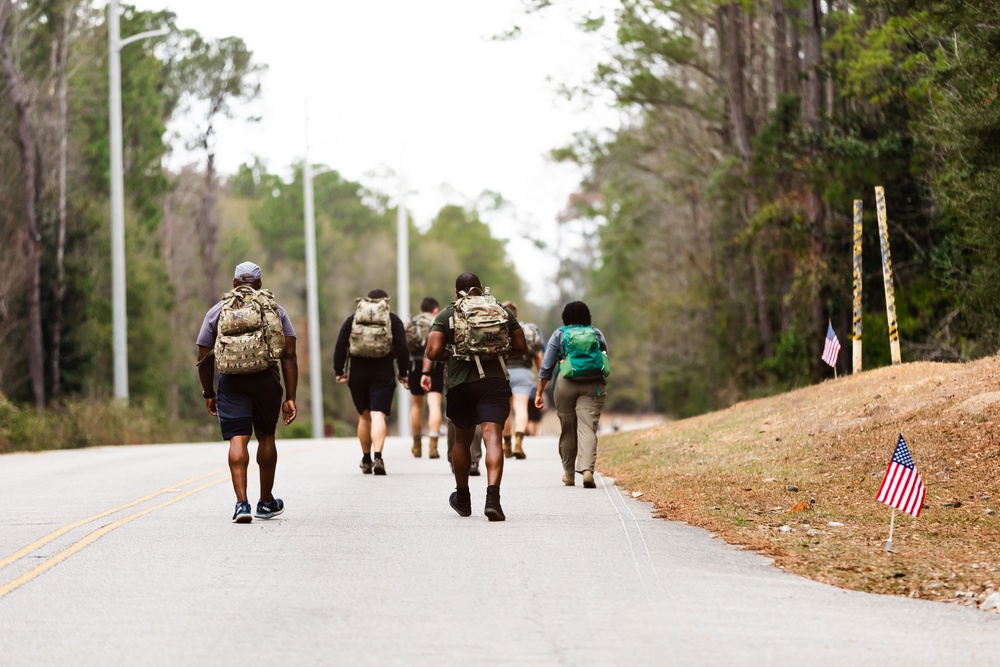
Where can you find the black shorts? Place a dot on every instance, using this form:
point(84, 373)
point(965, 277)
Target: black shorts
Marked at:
point(437, 379)
point(472, 403)
point(248, 403)
point(372, 392)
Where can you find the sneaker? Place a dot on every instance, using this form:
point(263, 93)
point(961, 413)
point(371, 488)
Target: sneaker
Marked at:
point(270, 509)
point(379, 468)
point(493, 510)
point(474, 471)
point(461, 502)
point(569, 479)
point(588, 480)
point(366, 467)
point(242, 513)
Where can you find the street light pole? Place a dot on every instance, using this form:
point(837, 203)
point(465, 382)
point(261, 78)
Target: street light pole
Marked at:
point(403, 290)
point(119, 329)
point(312, 297)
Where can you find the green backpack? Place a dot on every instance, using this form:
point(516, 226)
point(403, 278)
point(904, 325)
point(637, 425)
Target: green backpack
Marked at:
point(249, 336)
point(371, 331)
point(479, 328)
point(582, 355)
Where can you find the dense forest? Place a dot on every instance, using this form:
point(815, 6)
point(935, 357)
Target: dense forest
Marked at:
point(717, 218)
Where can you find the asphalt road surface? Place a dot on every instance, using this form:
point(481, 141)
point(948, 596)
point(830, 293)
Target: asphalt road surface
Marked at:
point(127, 556)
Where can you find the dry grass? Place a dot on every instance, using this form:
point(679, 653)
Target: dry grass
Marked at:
point(733, 472)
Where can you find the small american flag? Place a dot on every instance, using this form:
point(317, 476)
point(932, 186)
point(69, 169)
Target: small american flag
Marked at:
point(831, 350)
point(902, 487)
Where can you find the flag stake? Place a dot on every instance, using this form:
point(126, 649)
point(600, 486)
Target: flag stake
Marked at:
point(892, 523)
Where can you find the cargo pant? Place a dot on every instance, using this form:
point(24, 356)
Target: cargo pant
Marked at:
point(578, 405)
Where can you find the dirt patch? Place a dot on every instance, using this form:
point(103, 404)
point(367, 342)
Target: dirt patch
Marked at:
point(795, 477)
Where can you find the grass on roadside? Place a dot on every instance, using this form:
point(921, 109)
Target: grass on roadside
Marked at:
point(814, 458)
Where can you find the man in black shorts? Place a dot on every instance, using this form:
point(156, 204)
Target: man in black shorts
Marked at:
point(249, 403)
point(474, 398)
point(372, 380)
point(429, 309)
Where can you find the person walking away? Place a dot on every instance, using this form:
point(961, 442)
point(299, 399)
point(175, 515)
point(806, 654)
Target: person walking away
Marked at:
point(581, 353)
point(534, 412)
point(246, 336)
point(369, 342)
point(417, 331)
point(474, 334)
point(522, 379)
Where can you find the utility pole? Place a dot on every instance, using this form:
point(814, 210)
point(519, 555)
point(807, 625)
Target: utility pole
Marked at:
point(118, 305)
point(312, 298)
point(403, 290)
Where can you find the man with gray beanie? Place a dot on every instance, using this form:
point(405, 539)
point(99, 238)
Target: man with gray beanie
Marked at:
point(246, 336)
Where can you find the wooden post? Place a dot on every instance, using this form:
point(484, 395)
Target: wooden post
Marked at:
point(890, 298)
point(892, 524)
point(856, 346)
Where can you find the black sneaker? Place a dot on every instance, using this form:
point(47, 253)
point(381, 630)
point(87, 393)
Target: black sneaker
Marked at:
point(366, 467)
point(493, 510)
point(270, 509)
point(379, 468)
point(461, 502)
point(474, 471)
point(242, 514)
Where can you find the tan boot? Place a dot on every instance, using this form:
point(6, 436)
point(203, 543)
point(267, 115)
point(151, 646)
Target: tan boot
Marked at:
point(432, 448)
point(507, 450)
point(568, 479)
point(518, 451)
point(588, 480)
point(417, 448)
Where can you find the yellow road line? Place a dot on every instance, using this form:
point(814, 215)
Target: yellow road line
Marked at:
point(56, 533)
point(100, 532)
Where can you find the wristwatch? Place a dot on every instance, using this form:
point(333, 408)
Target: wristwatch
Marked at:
point(208, 394)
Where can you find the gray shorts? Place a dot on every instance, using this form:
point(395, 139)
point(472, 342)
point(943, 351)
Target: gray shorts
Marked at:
point(521, 381)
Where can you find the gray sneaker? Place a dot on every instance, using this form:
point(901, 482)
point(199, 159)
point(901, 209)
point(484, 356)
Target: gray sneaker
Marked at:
point(379, 467)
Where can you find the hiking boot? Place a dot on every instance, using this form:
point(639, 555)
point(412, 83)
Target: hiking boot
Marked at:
point(474, 471)
point(518, 452)
point(366, 467)
point(569, 479)
point(242, 513)
point(432, 450)
point(461, 502)
point(269, 509)
point(588, 480)
point(507, 451)
point(493, 510)
point(417, 448)
point(379, 467)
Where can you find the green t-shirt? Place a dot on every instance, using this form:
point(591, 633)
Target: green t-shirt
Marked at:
point(459, 370)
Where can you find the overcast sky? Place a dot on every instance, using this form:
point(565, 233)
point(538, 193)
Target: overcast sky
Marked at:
point(417, 89)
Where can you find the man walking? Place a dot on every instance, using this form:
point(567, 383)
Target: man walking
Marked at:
point(369, 341)
point(417, 332)
point(473, 334)
point(254, 334)
point(522, 381)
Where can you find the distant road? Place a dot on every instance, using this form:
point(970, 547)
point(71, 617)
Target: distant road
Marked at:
point(126, 556)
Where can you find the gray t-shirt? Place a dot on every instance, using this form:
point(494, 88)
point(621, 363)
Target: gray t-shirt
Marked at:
point(210, 326)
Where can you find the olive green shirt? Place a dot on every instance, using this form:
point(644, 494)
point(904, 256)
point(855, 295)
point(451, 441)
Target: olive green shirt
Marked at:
point(459, 370)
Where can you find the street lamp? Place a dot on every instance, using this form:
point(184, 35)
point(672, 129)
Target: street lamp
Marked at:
point(119, 337)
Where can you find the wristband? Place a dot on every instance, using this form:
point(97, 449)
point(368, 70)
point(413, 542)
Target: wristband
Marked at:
point(425, 373)
point(208, 394)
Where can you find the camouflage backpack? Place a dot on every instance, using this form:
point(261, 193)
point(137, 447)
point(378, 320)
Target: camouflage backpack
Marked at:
point(479, 328)
point(533, 338)
point(418, 329)
point(249, 337)
point(371, 331)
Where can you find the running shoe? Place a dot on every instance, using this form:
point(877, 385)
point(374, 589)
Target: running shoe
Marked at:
point(379, 468)
point(366, 467)
point(242, 514)
point(493, 510)
point(270, 509)
point(461, 502)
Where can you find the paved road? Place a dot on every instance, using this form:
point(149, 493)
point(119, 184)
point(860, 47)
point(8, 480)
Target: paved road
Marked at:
point(366, 570)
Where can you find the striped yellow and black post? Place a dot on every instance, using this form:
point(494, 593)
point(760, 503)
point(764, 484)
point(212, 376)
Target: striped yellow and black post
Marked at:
point(890, 298)
point(856, 349)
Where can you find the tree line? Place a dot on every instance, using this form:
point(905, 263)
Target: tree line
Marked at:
point(721, 209)
point(185, 230)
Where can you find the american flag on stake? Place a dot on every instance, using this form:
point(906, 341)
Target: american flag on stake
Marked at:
point(831, 349)
point(902, 488)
